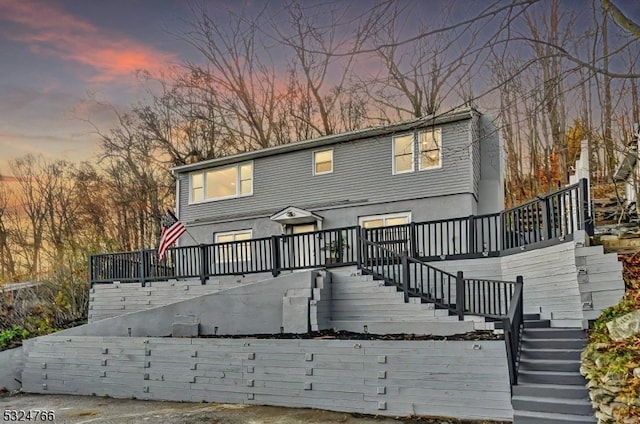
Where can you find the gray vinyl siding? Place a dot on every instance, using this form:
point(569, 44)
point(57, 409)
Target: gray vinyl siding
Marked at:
point(362, 174)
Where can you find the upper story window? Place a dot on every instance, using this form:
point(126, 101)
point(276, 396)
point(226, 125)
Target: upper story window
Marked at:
point(426, 143)
point(323, 162)
point(222, 183)
point(430, 149)
point(403, 154)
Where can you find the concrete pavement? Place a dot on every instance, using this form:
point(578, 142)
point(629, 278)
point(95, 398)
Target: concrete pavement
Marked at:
point(100, 410)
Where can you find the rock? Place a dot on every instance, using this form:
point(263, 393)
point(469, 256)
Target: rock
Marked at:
point(624, 326)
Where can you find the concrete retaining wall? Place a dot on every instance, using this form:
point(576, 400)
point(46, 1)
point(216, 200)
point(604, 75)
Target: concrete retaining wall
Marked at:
point(11, 365)
point(395, 378)
point(248, 309)
point(110, 300)
point(564, 283)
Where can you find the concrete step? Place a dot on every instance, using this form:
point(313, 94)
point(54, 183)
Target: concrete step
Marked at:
point(552, 404)
point(562, 354)
point(554, 343)
point(551, 377)
point(570, 391)
point(536, 417)
point(567, 365)
point(540, 323)
point(554, 333)
point(347, 278)
point(600, 268)
point(343, 288)
point(397, 315)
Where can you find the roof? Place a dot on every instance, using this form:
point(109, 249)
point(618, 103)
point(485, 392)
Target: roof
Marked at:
point(429, 120)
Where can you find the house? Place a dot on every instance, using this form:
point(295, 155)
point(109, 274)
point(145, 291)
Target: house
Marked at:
point(396, 229)
point(425, 169)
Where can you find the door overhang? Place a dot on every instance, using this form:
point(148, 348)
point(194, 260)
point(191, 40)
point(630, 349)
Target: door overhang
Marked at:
point(294, 216)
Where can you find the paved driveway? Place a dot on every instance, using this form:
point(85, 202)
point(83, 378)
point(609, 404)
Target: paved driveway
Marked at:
point(99, 410)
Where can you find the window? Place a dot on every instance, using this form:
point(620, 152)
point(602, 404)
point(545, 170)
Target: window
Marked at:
point(395, 239)
point(430, 151)
point(376, 221)
point(323, 162)
point(233, 252)
point(427, 143)
point(403, 154)
point(222, 183)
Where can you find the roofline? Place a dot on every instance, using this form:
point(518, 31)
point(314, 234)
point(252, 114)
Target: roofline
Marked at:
point(429, 120)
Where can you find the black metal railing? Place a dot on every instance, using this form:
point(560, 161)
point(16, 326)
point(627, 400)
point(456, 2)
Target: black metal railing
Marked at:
point(412, 276)
point(513, 324)
point(324, 248)
point(554, 216)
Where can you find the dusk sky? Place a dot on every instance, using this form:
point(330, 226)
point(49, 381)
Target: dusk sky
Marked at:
point(55, 53)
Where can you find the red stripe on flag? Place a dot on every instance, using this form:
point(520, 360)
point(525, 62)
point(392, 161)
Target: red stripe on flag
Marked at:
point(169, 236)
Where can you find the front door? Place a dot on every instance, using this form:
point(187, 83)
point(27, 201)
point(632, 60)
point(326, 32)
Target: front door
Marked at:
point(303, 245)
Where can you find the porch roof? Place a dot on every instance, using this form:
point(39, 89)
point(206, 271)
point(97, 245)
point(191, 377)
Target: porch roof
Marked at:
point(292, 216)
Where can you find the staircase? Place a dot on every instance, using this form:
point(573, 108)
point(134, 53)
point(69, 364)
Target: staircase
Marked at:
point(550, 388)
point(359, 303)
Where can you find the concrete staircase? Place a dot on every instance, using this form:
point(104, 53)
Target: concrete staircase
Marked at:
point(599, 280)
point(361, 304)
point(550, 388)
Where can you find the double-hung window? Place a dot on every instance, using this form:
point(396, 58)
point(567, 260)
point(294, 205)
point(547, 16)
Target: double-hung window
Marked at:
point(323, 162)
point(403, 154)
point(426, 143)
point(235, 246)
point(430, 149)
point(222, 183)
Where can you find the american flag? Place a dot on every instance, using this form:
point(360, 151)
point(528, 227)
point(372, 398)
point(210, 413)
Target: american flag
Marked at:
point(172, 229)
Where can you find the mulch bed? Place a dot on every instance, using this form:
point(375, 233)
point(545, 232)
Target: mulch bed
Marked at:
point(348, 335)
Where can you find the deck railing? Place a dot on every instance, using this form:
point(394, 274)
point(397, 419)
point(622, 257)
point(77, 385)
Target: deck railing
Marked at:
point(547, 219)
point(324, 248)
point(552, 217)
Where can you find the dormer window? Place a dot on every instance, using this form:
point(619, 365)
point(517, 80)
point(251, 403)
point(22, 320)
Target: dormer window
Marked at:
point(222, 183)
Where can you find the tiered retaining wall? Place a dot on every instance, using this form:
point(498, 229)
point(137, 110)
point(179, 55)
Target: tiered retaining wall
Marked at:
point(110, 300)
point(442, 378)
point(559, 281)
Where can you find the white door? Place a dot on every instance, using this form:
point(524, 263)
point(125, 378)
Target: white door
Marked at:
point(303, 245)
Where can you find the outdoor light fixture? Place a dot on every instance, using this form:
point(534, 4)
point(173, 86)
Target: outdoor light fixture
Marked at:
point(477, 347)
point(291, 214)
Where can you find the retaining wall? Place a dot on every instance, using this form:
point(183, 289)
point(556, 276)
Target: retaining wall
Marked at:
point(395, 378)
point(553, 284)
point(11, 365)
point(248, 309)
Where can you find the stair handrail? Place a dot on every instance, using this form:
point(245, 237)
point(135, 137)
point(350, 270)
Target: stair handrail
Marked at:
point(389, 265)
point(513, 324)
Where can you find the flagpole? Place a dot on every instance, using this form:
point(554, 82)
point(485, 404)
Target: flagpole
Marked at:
point(192, 238)
point(185, 229)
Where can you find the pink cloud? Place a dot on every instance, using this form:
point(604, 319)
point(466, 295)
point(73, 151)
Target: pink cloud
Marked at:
point(48, 30)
